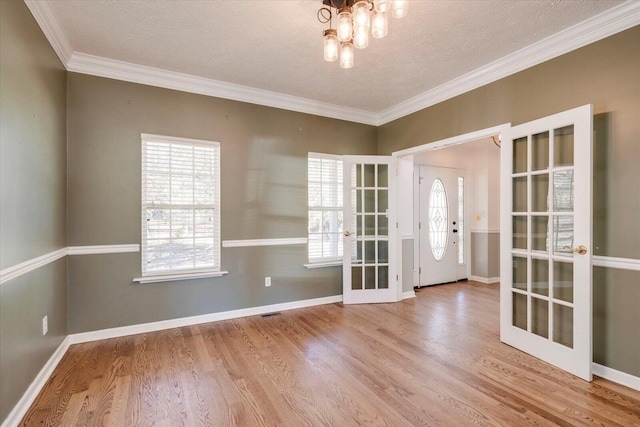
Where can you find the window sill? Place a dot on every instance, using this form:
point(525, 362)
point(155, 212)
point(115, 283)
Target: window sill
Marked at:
point(183, 276)
point(324, 264)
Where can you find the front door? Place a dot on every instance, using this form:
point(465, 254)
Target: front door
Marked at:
point(546, 229)
point(370, 228)
point(438, 225)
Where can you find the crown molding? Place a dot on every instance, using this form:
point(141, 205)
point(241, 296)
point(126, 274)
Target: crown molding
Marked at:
point(104, 67)
point(610, 22)
point(606, 24)
point(41, 11)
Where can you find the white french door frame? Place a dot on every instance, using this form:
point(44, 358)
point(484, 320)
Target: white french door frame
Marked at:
point(373, 295)
point(578, 358)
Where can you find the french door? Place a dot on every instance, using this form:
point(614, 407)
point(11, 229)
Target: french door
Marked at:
point(546, 230)
point(369, 273)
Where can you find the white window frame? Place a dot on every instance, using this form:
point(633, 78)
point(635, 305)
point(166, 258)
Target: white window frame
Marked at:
point(328, 261)
point(188, 273)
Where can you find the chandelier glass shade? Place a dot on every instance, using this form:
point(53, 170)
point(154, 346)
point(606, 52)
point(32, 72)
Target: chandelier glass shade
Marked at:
point(355, 20)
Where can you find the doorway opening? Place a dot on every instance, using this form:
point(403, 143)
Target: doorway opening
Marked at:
point(453, 230)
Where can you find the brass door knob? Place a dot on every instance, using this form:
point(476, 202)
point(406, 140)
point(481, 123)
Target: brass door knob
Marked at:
point(347, 233)
point(581, 249)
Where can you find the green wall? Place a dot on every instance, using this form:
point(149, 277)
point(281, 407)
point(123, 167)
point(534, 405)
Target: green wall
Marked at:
point(605, 74)
point(33, 92)
point(69, 134)
point(263, 195)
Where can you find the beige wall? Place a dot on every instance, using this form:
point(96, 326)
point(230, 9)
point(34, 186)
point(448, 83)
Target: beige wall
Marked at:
point(263, 193)
point(33, 91)
point(263, 189)
point(604, 74)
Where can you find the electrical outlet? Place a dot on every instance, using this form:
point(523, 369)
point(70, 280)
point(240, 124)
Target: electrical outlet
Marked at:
point(45, 325)
point(267, 281)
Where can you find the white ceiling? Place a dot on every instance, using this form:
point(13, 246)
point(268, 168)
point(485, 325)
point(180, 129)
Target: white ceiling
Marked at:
point(276, 46)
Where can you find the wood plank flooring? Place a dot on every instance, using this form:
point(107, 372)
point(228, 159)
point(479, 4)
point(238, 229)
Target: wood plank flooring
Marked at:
point(433, 360)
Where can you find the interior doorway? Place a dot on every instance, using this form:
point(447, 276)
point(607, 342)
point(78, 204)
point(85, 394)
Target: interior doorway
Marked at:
point(476, 159)
point(457, 213)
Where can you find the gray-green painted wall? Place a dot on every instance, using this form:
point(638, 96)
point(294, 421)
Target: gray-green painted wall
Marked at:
point(263, 189)
point(485, 254)
point(33, 93)
point(263, 195)
point(604, 74)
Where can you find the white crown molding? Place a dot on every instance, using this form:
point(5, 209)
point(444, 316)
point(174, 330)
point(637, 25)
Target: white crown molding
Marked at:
point(41, 11)
point(596, 28)
point(103, 249)
point(196, 320)
point(264, 242)
point(606, 24)
point(104, 67)
point(30, 265)
point(29, 396)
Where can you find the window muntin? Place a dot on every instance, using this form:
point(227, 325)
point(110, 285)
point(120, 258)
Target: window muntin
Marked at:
point(180, 205)
point(325, 207)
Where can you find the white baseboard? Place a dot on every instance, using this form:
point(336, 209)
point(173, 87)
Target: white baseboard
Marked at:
point(408, 294)
point(616, 376)
point(486, 280)
point(23, 405)
point(195, 320)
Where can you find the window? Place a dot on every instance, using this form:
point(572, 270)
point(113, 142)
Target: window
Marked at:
point(180, 206)
point(325, 208)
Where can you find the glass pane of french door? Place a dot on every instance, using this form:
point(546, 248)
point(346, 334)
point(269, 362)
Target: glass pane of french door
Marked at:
point(369, 226)
point(542, 283)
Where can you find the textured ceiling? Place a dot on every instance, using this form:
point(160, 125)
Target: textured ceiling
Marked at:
point(277, 45)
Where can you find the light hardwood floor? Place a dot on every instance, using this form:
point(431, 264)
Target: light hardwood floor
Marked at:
point(432, 360)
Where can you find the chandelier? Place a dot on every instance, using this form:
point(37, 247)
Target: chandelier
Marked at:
point(355, 19)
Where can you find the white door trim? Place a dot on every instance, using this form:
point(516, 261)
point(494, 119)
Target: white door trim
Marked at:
point(454, 140)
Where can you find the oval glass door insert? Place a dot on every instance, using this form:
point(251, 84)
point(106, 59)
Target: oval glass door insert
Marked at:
point(438, 220)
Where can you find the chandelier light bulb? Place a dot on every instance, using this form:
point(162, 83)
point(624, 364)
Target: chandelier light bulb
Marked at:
point(346, 55)
point(382, 5)
point(361, 38)
point(400, 8)
point(361, 15)
point(345, 27)
point(331, 45)
point(357, 21)
point(380, 25)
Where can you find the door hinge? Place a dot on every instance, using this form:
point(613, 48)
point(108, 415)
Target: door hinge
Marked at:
point(396, 225)
point(396, 277)
point(419, 270)
point(419, 226)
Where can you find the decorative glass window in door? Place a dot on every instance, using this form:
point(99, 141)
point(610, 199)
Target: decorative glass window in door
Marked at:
point(438, 220)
